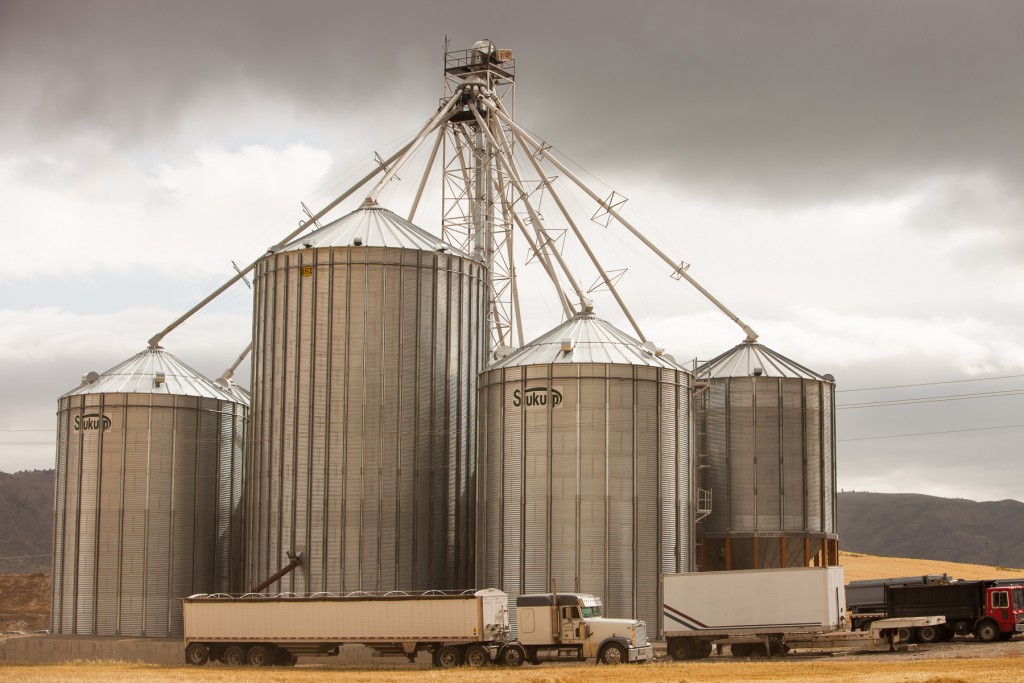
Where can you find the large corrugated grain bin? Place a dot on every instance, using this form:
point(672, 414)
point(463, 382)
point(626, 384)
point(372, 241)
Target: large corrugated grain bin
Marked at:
point(148, 497)
point(368, 338)
point(584, 468)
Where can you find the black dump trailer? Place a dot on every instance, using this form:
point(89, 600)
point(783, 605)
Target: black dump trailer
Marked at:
point(970, 607)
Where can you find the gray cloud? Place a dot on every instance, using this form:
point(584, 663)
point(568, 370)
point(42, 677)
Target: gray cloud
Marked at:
point(783, 99)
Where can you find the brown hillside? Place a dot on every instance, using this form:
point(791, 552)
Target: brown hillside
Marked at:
point(26, 521)
point(932, 528)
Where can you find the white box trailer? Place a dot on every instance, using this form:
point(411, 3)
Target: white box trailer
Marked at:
point(262, 630)
point(747, 606)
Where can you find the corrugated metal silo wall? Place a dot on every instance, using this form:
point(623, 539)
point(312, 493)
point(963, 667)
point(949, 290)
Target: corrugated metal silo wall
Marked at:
point(593, 492)
point(147, 509)
point(771, 470)
point(364, 374)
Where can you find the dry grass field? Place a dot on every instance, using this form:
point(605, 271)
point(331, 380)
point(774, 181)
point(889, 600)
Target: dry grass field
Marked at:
point(857, 567)
point(823, 670)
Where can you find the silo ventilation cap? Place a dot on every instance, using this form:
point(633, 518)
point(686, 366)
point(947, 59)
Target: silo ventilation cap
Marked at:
point(568, 344)
point(159, 378)
point(90, 377)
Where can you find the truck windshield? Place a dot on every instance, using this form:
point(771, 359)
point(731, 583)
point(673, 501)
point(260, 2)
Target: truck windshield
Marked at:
point(1018, 598)
point(589, 612)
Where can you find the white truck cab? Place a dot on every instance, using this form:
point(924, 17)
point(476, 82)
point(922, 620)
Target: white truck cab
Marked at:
point(574, 630)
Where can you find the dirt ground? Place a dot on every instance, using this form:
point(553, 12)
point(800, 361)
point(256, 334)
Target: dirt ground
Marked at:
point(24, 602)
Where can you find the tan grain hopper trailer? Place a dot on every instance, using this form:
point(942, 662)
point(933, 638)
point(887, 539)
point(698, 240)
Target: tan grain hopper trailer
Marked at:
point(261, 630)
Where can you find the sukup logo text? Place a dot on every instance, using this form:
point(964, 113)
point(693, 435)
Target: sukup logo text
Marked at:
point(91, 421)
point(535, 397)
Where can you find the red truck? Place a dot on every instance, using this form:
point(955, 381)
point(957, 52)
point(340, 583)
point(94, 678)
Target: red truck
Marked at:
point(989, 610)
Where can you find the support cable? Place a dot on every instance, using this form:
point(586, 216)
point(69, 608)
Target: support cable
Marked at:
point(154, 342)
point(538, 224)
point(678, 269)
point(442, 115)
point(426, 175)
point(579, 235)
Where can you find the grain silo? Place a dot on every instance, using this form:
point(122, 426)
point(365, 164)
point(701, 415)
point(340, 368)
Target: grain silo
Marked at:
point(148, 497)
point(584, 468)
point(766, 452)
point(368, 338)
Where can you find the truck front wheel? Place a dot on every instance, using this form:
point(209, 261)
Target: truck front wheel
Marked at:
point(986, 631)
point(613, 653)
point(197, 654)
point(513, 655)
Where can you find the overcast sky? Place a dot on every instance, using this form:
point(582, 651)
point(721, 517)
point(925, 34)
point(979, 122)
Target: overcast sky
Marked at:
point(845, 176)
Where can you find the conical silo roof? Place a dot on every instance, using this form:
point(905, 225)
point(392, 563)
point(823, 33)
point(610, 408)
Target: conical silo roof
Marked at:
point(585, 338)
point(749, 359)
point(372, 225)
point(153, 371)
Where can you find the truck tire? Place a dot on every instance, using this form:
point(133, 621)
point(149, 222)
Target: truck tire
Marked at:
point(477, 656)
point(701, 649)
point(197, 654)
point(929, 634)
point(234, 655)
point(741, 649)
point(986, 631)
point(512, 655)
point(613, 653)
point(260, 655)
point(679, 649)
point(448, 657)
point(907, 635)
point(285, 658)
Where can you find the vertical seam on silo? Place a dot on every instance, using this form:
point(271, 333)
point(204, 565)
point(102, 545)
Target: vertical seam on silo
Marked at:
point(296, 375)
point(311, 417)
point(415, 433)
point(578, 502)
point(170, 515)
point(381, 524)
point(342, 527)
point(145, 532)
point(400, 473)
point(636, 497)
point(328, 435)
point(607, 490)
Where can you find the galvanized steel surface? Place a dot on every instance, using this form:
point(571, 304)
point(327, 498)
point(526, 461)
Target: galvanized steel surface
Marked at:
point(371, 226)
point(770, 451)
point(148, 501)
point(585, 478)
point(154, 371)
point(364, 372)
point(585, 338)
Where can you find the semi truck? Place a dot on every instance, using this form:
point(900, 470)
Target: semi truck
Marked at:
point(471, 627)
point(986, 609)
point(752, 610)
